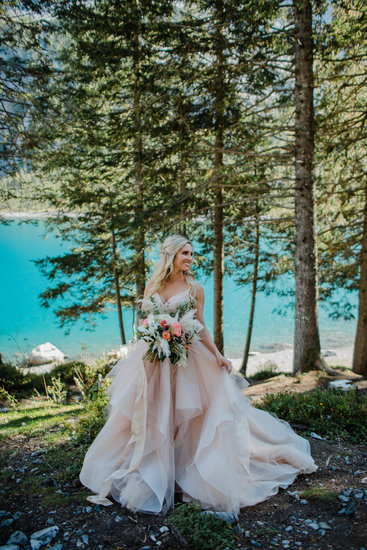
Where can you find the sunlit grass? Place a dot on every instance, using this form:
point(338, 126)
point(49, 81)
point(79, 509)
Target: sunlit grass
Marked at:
point(36, 418)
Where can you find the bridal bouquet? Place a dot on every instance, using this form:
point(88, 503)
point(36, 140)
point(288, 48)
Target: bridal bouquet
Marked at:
point(169, 334)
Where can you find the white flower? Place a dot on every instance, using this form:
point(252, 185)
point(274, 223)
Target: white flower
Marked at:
point(162, 347)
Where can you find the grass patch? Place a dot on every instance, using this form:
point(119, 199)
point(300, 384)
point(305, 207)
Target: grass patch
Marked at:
point(330, 413)
point(201, 531)
point(36, 418)
point(319, 493)
point(269, 371)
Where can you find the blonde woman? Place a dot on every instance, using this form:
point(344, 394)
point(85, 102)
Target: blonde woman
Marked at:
point(187, 429)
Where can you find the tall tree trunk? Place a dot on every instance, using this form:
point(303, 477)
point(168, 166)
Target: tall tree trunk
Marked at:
point(253, 298)
point(140, 239)
point(218, 185)
point(117, 287)
point(306, 337)
point(360, 345)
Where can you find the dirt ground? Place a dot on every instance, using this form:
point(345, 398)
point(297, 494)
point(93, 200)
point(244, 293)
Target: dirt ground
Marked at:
point(333, 516)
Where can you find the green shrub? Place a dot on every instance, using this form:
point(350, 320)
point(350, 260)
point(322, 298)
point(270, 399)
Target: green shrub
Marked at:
point(91, 381)
point(330, 413)
point(91, 420)
point(66, 371)
point(12, 379)
point(202, 531)
point(7, 398)
point(57, 391)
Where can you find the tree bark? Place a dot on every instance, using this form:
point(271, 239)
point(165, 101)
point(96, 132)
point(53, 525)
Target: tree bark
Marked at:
point(218, 184)
point(253, 299)
point(140, 239)
point(360, 345)
point(117, 287)
point(306, 337)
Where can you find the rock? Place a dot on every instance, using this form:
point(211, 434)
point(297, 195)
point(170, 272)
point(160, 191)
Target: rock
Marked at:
point(348, 511)
point(343, 498)
point(313, 525)
point(347, 492)
point(50, 521)
point(229, 517)
point(364, 480)
point(18, 515)
point(163, 529)
point(57, 546)
point(4, 514)
point(359, 495)
point(10, 547)
point(4, 410)
point(289, 528)
point(303, 501)
point(45, 353)
point(85, 539)
point(88, 509)
point(6, 522)
point(39, 452)
point(324, 525)
point(43, 537)
point(316, 436)
point(18, 537)
point(357, 473)
point(116, 354)
point(344, 385)
point(118, 519)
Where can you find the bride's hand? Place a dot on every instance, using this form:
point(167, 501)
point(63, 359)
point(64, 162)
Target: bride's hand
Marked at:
point(222, 362)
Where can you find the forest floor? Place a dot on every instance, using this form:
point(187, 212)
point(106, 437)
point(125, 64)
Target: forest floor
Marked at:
point(40, 489)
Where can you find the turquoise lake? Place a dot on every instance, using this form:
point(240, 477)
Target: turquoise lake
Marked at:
point(24, 324)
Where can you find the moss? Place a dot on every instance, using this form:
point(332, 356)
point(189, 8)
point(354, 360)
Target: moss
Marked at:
point(319, 493)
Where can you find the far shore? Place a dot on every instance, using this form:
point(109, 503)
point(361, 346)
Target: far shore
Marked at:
point(28, 215)
point(280, 361)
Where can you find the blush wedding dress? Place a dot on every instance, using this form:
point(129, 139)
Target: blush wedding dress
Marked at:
point(188, 429)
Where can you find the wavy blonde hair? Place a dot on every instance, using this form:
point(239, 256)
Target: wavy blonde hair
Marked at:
point(164, 267)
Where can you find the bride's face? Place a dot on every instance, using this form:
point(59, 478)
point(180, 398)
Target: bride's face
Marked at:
point(183, 258)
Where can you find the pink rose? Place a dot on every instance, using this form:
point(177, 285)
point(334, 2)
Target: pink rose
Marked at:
point(145, 322)
point(176, 329)
point(166, 335)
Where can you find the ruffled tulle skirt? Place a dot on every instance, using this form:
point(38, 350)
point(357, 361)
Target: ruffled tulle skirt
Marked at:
point(188, 429)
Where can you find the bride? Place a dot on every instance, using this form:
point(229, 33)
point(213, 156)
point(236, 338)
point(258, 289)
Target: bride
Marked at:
point(189, 428)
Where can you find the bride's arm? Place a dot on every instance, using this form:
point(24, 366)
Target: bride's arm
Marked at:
point(204, 334)
point(147, 287)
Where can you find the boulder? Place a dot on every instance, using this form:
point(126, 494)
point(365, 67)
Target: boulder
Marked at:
point(344, 385)
point(45, 353)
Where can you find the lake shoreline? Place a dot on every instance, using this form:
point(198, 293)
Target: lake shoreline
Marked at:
point(23, 214)
point(281, 361)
